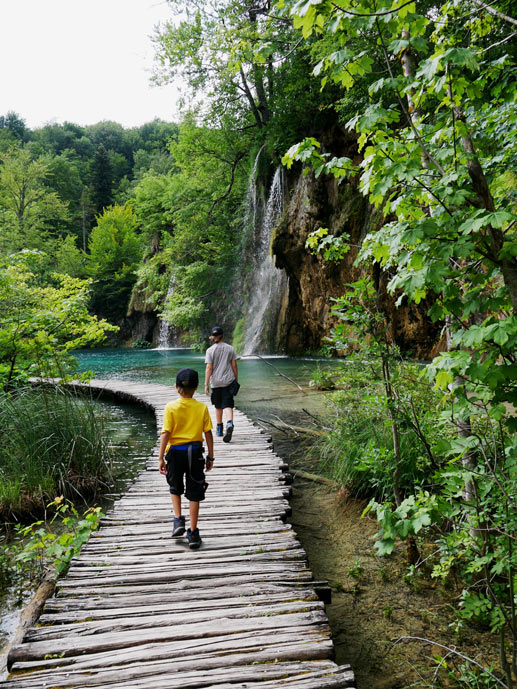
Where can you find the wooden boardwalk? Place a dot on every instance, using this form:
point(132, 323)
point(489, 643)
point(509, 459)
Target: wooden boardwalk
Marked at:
point(139, 610)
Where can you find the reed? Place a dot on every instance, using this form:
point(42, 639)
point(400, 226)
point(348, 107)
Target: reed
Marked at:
point(53, 443)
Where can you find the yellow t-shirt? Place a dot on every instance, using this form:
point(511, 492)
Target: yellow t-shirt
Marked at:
point(186, 419)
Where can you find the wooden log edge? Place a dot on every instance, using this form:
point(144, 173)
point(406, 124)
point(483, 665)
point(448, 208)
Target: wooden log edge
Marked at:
point(30, 614)
point(316, 478)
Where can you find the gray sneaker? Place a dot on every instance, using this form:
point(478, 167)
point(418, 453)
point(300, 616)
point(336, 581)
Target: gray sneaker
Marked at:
point(193, 538)
point(178, 528)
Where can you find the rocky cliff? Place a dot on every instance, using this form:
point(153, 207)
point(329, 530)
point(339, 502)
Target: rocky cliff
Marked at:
point(323, 203)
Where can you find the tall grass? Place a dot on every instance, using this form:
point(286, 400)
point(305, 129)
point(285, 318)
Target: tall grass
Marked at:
point(52, 443)
point(358, 452)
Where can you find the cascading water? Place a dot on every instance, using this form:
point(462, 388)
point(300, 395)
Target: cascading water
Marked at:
point(268, 282)
point(166, 329)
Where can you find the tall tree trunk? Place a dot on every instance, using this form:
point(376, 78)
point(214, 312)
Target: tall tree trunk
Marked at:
point(485, 200)
point(256, 112)
point(263, 106)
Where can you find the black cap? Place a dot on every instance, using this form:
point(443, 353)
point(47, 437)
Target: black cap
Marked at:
point(187, 378)
point(216, 330)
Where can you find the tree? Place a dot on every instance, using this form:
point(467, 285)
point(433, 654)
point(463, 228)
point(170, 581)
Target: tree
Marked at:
point(32, 209)
point(66, 175)
point(191, 218)
point(115, 251)
point(102, 178)
point(229, 51)
point(40, 325)
point(438, 140)
point(14, 125)
point(153, 204)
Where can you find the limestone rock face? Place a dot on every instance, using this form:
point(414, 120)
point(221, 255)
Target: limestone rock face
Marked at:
point(313, 281)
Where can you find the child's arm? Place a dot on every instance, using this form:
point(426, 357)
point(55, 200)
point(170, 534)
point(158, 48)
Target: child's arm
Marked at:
point(210, 448)
point(163, 444)
point(208, 374)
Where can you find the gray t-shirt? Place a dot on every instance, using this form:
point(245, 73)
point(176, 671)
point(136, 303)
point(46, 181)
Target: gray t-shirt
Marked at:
point(221, 355)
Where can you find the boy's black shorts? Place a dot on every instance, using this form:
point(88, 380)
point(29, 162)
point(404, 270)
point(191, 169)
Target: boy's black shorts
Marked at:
point(222, 398)
point(178, 466)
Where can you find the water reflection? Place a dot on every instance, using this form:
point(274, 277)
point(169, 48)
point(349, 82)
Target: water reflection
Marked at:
point(131, 431)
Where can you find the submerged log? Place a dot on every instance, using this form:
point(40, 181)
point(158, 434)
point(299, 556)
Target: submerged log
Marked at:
point(30, 614)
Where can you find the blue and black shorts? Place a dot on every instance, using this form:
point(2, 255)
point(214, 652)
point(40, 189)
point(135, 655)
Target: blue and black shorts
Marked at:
point(179, 466)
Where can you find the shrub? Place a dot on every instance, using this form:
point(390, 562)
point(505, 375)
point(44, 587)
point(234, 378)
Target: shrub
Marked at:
point(358, 453)
point(323, 379)
point(53, 444)
point(46, 549)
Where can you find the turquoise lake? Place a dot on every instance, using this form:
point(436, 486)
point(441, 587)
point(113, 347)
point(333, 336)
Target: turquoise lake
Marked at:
point(264, 391)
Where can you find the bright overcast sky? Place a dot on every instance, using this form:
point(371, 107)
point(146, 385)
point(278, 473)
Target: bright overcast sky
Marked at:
point(82, 61)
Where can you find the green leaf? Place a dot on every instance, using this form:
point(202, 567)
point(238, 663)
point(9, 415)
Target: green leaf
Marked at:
point(385, 546)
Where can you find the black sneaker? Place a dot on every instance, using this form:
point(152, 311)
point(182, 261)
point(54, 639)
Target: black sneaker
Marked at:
point(193, 538)
point(178, 528)
point(228, 434)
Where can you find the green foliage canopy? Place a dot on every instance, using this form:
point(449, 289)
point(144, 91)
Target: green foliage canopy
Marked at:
point(115, 251)
point(41, 325)
point(438, 141)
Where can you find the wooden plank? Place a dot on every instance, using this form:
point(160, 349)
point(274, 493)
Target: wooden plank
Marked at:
point(206, 648)
point(77, 587)
point(182, 558)
point(153, 619)
point(179, 559)
point(212, 597)
point(163, 542)
point(67, 646)
point(165, 674)
point(69, 609)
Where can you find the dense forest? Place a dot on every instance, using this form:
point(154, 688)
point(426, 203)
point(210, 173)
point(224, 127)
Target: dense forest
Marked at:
point(392, 127)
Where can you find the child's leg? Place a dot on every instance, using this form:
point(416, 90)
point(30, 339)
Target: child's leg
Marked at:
point(218, 415)
point(176, 504)
point(228, 411)
point(194, 514)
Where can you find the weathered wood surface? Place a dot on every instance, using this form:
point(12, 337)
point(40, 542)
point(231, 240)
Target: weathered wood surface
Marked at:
point(139, 610)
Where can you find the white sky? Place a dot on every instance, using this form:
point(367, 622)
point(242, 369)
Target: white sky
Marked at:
point(82, 61)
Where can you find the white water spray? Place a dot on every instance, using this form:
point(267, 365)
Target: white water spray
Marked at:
point(166, 329)
point(268, 281)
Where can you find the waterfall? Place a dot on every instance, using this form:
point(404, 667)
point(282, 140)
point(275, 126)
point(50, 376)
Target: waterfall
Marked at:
point(166, 329)
point(250, 215)
point(268, 282)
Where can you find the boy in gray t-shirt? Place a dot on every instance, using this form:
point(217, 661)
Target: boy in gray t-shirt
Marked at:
point(221, 373)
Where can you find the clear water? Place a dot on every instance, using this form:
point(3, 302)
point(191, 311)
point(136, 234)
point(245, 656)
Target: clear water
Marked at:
point(132, 435)
point(264, 390)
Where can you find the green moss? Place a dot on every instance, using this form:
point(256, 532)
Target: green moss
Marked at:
point(239, 334)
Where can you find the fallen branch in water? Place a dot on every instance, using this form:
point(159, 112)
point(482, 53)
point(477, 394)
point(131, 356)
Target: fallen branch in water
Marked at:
point(286, 427)
point(318, 422)
point(315, 477)
point(270, 423)
point(30, 614)
point(277, 370)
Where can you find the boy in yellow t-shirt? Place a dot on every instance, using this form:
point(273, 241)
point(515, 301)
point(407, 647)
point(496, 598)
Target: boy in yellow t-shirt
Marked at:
point(181, 452)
